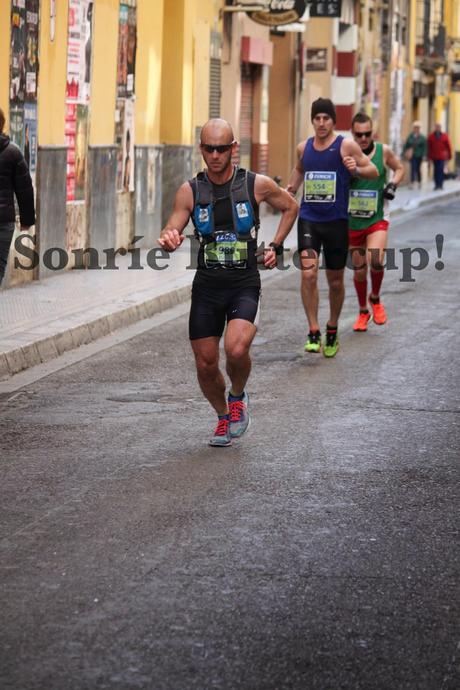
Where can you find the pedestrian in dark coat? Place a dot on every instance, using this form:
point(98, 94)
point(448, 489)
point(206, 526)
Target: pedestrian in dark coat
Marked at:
point(439, 151)
point(15, 181)
point(415, 151)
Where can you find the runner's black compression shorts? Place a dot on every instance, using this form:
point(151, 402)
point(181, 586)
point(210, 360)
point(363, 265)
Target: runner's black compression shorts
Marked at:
point(331, 236)
point(211, 309)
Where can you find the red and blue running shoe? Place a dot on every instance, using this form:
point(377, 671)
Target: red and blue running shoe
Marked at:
point(239, 415)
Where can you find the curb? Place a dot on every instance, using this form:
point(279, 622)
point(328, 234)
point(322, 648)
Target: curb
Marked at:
point(424, 201)
point(69, 338)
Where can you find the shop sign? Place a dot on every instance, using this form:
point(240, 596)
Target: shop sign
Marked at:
point(278, 12)
point(316, 59)
point(455, 77)
point(320, 8)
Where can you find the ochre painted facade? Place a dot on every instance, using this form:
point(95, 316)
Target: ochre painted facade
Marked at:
point(149, 72)
point(185, 68)
point(53, 64)
point(5, 21)
point(103, 72)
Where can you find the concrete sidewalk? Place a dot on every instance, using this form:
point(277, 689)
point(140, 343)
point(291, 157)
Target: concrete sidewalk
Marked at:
point(46, 318)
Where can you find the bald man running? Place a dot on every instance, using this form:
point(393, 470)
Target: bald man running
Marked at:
point(223, 204)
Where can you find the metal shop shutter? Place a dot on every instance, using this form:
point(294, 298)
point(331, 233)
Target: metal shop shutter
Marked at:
point(246, 114)
point(215, 72)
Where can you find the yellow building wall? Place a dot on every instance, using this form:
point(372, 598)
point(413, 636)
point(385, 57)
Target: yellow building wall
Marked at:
point(185, 71)
point(150, 16)
point(5, 22)
point(190, 19)
point(204, 17)
point(318, 34)
point(52, 75)
point(104, 72)
point(282, 113)
point(202, 39)
point(412, 31)
point(172, 74)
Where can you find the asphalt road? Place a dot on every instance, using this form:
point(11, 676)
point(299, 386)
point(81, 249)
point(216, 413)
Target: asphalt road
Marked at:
point(320, 551)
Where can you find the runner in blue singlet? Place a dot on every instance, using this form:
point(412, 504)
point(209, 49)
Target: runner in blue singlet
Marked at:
point(326, 163)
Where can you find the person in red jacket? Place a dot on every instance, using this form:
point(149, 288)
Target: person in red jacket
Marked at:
point(439, 151)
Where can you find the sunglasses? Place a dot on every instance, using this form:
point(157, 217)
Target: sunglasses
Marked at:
point(222, 148)
point(362, 134)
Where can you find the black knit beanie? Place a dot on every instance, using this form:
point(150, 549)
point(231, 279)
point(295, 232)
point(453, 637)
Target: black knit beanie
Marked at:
point(323, 105)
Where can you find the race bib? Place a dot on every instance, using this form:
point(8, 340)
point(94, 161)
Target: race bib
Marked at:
point(362, 203)
point(226, 252)
point(320, 187)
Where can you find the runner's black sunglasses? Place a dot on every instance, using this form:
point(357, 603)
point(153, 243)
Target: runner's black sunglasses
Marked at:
point(362, 134)
point(209, 148)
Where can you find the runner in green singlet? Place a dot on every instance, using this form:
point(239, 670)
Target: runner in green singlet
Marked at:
point(369, 220)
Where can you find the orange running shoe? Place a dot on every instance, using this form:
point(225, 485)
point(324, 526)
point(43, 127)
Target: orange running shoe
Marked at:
point(362, 321)
point(379, 313)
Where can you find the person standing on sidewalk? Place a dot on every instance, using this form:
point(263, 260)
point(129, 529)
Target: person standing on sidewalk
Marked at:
point(223, 204)
point(415, 151)
point(439, 151)
point(369, 220)
point(15, 180)
point(326, 164)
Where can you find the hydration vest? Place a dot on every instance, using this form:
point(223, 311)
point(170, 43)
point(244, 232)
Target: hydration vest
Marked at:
point(244, 222)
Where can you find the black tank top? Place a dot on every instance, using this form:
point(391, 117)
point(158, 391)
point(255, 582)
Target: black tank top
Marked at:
point(227, 277)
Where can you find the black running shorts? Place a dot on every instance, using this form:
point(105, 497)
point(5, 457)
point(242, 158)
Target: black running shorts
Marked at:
point(332, 237)
point(212, 309)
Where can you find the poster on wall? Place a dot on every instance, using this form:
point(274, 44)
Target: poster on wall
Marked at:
point(30, 136)
point(122, 62)
point(31, 35)
point(151, 181)
point(17, 125)
point(124, 140)
point(78, 90)
point(23, 78)
point(124, 111)
point(131, 53)
point(79, 48)
point(18, 52)
point(81, 150)
point(127, 41)
point(70, 132)
point(119, 134)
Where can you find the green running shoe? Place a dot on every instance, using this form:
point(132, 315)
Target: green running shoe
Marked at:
point(331, 344)
point(313, 343)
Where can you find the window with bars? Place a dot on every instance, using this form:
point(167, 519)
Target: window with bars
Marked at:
point(430, 29)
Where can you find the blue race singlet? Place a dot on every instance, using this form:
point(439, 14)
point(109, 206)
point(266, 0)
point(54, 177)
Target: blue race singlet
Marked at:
point(326, 183)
